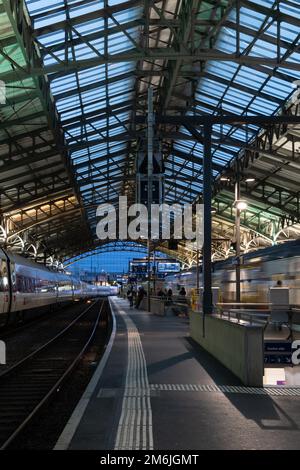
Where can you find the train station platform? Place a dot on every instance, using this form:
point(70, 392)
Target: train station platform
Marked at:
point(156, 389)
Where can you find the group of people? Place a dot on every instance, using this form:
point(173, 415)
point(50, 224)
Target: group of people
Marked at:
point(134, 296)
point(179, 303)
point(168, 294)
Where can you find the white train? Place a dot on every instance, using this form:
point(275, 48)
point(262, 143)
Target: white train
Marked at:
point(26, 286)
point(260, 270)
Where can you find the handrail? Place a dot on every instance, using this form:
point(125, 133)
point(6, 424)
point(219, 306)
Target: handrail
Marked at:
point(239, 316)
point(243, 304)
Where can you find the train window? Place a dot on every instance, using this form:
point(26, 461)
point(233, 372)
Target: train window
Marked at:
point(20, 283)
point(4, 280)
point(26, 284)
point(44, 285)
point(13, 277)
point(30, 285)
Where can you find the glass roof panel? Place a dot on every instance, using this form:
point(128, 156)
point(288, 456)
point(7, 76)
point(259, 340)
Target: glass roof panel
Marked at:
point(233, 88)
point(92, 103)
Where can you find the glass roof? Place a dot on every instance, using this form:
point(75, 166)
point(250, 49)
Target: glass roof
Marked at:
point(95, 104)
point(228, 87)
point(17, 90)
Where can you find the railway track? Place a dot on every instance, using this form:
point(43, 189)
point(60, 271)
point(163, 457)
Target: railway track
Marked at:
point(30, 383)
point(7, 332)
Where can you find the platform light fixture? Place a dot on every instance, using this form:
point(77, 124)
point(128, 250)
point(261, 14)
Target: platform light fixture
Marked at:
point(240, 204)
point(247, 179)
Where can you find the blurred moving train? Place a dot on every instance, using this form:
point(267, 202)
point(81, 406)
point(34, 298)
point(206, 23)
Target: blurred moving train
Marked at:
point(26, 285)
point(260, 270)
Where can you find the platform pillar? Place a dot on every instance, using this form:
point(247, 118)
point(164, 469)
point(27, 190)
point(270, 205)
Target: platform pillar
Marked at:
point(207, 196)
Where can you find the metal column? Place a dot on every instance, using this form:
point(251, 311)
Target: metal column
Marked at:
point(149, 174)
point(238, 241)
point(207, 196)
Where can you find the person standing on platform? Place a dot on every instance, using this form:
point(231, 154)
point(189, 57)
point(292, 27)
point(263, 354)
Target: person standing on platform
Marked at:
point(183, 300)
point(169, 296)
point(130, 296)
point(278, 325)
point(182, 292)
point(160, 293)
point(141, 294)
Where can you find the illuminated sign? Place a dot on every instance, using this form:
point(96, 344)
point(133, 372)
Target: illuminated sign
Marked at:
point(168, 267)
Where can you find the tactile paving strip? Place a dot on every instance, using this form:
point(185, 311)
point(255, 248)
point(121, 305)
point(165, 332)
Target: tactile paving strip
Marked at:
point(284, 391)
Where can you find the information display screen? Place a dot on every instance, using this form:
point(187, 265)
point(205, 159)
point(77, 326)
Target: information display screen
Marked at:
point(138, 268)
point(160, 268)
point(168, 267)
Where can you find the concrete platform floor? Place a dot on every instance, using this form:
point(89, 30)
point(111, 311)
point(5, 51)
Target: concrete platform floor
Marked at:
point(159, 390)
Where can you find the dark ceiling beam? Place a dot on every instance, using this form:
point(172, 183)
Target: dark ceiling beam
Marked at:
point(192, 74)
point(48, 233)
point(114, 176)
point(255, 227)
point(266, 178)
point(33, 133)
point(153, 54)
point(38, 181)
point(263, 36)
point(233, 119)
point(109, 109)
point(164, 54)
point(98, 186)
point(102, 158)
point(29, 150)
point(263, 205)
point(161, 23)
point(118, 8)
point(92, 86)
point(190, 157)
point(24, 121)
point(14, 164)
point(96, 115)
point(182, 186)
point(29, 195)
point(243, 88)
point(28, 96)
point(87, 139)
point(29, 172)
point(27, 201)
point(275, 13)
point(180, 40)
point(98, 13)
point(61, 215)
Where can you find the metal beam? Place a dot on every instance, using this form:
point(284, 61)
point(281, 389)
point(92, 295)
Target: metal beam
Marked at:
point(233, 119)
